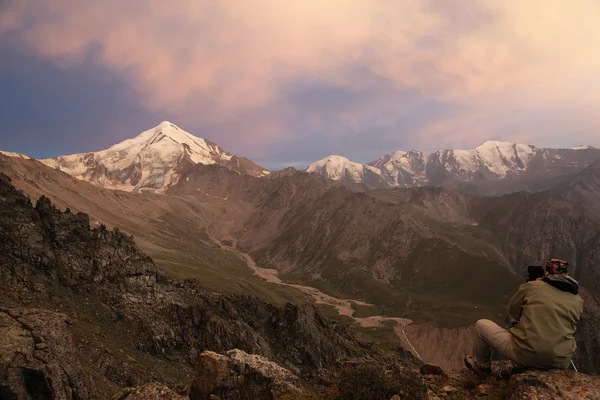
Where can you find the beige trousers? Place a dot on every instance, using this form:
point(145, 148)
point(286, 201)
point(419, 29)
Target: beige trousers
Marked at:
point(491, 336)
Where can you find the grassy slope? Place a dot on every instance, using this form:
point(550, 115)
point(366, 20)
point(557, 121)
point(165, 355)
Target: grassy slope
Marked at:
point(170, 229)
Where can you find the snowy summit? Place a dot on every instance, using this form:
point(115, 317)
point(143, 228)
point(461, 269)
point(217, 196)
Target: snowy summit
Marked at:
point(154, 160)
point(336, 167)
point(490, 161)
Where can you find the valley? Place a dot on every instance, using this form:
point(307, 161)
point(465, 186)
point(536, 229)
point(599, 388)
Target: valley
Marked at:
point(299, 200)
point(413, 266)
point(343, 307)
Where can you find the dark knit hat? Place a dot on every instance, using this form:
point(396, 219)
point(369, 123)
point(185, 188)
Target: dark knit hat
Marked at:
point(557, 266)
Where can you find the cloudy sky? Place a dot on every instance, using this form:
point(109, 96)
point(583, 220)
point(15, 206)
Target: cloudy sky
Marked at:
point(289, 82)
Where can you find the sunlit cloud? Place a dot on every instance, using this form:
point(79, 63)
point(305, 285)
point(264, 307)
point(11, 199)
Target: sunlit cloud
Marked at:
point(231, 64)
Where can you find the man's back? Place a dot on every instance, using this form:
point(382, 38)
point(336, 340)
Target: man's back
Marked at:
point(548, 312)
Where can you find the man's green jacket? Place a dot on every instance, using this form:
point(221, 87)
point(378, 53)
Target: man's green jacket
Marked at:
point(547, 312)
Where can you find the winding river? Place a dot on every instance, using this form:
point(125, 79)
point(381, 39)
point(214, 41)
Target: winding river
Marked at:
point(342, 306)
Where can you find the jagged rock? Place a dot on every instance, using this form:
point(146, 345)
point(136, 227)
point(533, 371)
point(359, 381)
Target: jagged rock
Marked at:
point(239, 375)
point(134, 324)
point(151, 391)
point(37, 359)
point(550, 385)
point(528, 385)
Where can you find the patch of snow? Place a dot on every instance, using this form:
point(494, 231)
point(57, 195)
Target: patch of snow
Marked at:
point(501, 157)
point(397, 155)
point(466, 159)
point(399, 164)
point(18, 155)
point(337, 167)
point(490, 154)
point(412, 168)
point(586, 147)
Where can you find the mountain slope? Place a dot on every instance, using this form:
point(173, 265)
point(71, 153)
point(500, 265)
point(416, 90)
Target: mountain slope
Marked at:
point(130, 323)
point(419, 249)
point(173, 230)
point(532, 227)
point(153, 160)
point(429, 254)
point(493, 168)
point(584, 188)
point(426, 253)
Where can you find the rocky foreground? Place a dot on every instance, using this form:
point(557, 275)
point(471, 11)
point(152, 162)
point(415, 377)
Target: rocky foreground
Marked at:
point(85, 315)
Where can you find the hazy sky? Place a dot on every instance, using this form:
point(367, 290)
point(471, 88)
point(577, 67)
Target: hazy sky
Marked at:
point(289, 82)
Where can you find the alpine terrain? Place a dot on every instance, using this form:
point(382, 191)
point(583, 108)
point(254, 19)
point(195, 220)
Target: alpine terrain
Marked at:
point(165, 267)
point(492, 168)
point(154, 160)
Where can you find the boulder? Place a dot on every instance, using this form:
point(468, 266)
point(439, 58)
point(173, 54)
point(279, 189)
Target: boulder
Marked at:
point(556, 384)
point(238, 375)
point(37, 359)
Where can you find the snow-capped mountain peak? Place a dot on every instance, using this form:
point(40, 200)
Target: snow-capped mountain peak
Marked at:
point(339, 168)
point(167, 138)
point(490, 161)
point(502, 157)
point(17, 155)
point(586, 147)
point(153, 160)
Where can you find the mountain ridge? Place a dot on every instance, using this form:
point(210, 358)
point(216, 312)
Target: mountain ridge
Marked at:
point(106, 311)
point(509, 166)
point(430, 254)
point(158, 158)
point(153, 160)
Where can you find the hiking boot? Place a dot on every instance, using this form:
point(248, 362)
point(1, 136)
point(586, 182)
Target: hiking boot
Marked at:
point(476, 369)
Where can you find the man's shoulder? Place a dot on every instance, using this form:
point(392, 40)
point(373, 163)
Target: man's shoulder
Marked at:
point(532, 284)
point(536, 288)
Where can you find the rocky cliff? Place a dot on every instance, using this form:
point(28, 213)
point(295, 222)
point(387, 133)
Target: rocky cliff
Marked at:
point(350, 244)
point(237, 375)
point(127, 323)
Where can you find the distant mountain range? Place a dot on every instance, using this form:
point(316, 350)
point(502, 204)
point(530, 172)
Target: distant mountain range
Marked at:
point(492, 168)
point(156, 160)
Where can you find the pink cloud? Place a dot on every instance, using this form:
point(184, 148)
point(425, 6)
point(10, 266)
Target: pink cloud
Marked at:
point(238, 55)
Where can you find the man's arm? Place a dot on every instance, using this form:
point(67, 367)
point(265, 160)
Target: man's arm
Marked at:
point(516, 303)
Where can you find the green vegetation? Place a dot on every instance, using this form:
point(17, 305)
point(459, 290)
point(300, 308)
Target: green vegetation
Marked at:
point(230, 275)
point(384, 334)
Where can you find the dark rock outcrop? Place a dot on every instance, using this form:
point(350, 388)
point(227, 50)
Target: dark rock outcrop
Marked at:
point(525, 385)
point(550, 385)
point(38, 357)
point(238, 375)
point(588, 334)
point(133, 324)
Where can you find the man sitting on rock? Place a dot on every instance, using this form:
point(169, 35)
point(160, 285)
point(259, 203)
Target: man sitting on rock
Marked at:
point(547, 311)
